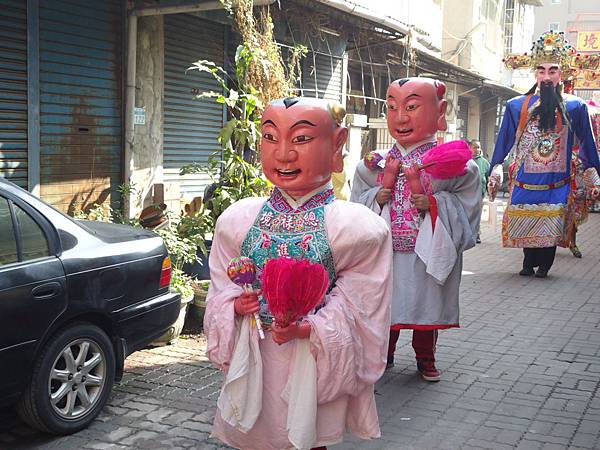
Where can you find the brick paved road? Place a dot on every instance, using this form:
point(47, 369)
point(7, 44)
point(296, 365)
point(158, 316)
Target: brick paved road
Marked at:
point(522, 372)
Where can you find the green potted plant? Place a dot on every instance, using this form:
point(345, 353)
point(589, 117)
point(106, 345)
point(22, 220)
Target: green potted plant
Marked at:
point(182, 250)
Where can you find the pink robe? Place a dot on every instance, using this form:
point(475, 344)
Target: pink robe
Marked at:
point(348, 339)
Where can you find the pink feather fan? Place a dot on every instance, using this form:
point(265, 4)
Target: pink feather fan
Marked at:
point(293, 287)
point(447, 160)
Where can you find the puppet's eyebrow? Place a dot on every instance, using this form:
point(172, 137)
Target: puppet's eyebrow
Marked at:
point(412, 95)
point(269, 121)
point(303, 122)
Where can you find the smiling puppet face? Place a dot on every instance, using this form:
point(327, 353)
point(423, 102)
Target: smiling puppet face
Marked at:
point(416, 109)
point(301, 144)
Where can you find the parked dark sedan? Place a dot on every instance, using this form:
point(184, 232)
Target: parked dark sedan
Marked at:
point(76, 298)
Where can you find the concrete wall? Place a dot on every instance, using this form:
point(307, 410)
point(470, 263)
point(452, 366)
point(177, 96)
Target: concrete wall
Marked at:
point(474, 118)
point(487, 125)
point(458, 22)
point(487, 54)
point(452, 98)
point(148, 138)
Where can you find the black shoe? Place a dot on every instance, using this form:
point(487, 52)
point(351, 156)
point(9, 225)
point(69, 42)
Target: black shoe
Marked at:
point(526, 271)
point(390, 362)
point(478, 240)
point(541, 273)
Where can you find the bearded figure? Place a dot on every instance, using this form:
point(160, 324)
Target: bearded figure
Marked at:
point(540, 130)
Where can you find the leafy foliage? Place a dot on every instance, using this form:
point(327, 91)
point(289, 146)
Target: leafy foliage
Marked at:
point(259, 76)
point(235, 170)
point(182, 250)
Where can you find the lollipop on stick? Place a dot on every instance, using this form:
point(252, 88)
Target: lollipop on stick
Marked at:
point(242, 271)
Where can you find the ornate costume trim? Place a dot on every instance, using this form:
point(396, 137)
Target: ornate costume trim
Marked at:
point(404, 216)
point(280, 230)
point(534, 226)
point(537, 210)
point(280, 204)
point(543, 187)
point(543, 152)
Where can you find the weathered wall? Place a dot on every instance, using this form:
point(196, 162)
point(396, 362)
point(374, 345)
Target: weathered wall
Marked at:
point(474, 116)
point(147, 152)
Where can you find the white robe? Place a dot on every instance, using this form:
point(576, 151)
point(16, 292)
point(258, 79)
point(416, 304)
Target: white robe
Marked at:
point(348, 338)
point(418, 298)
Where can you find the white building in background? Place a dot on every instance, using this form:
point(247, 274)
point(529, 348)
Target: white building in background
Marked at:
point(461, 42)
point(477, 34)
point(423, 17)
point(519, 41)
point(580, 20)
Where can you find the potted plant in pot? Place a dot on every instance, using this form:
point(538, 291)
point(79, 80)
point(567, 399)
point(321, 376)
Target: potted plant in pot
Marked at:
point(182, 250)
point(198, 228)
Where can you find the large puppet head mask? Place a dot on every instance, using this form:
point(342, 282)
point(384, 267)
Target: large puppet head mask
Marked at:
point(302, 142)
point(416, 109)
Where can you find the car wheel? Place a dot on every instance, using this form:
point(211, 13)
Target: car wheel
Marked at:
point(71, 380)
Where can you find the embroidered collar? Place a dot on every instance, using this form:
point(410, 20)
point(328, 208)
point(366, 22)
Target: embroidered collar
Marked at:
point(282, 202)
point(419, 150)
point(406, 150)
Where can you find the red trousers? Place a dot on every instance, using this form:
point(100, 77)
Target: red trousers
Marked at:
point(423, 343)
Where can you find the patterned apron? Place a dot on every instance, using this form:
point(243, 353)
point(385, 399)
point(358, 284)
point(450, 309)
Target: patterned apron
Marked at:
point(404, 215)
point(280, 230)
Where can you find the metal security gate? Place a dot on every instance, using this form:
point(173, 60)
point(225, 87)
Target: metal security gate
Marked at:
point(80, 102)
point(13, 91)
point(191, 126)
point(322, 76)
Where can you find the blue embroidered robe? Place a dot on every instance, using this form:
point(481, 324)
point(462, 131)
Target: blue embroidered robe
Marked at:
point(540, 183)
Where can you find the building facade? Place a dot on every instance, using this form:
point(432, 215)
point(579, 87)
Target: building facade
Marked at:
point(580, 20)
point(95, 95)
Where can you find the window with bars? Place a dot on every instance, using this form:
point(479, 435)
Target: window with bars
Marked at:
point(509, 21)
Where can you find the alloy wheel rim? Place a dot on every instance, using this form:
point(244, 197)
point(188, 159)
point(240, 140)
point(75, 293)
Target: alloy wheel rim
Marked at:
point(77, 379)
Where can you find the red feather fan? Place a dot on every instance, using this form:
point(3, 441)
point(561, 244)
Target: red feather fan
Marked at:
point(293, 288)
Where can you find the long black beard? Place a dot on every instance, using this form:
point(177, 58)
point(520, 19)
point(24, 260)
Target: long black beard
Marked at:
point(550, 103)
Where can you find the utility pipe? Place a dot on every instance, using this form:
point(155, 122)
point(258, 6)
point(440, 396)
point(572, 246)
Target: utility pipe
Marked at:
point(129, 105)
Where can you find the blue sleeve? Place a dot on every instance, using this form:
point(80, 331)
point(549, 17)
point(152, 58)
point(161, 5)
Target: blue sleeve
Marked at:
point(506, 138)
point(582, 125)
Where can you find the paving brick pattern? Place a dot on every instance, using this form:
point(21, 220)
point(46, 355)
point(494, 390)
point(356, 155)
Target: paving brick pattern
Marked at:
point(522, 373)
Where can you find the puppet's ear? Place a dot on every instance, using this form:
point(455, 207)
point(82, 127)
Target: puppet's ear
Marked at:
point(442, 125)
point(341, 135)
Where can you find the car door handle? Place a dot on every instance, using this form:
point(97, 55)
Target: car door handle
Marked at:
point(46, 291)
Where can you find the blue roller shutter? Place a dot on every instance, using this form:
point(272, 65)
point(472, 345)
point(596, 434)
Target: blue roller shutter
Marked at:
point(80, 101)
point(13, 91)
point(191, 126)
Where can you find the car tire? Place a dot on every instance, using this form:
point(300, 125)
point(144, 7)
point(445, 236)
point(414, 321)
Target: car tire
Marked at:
point(71, 381)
